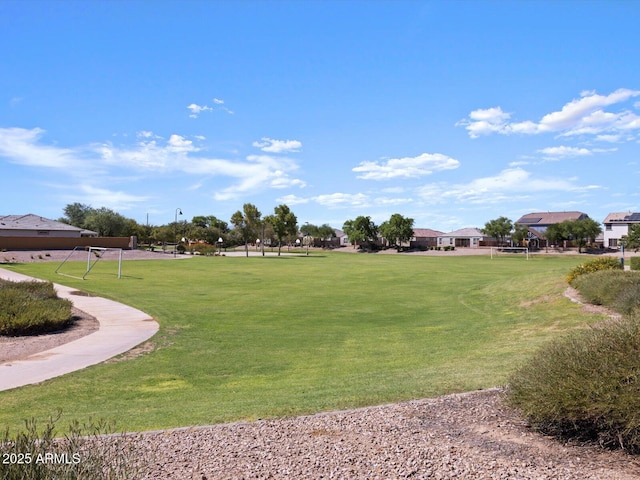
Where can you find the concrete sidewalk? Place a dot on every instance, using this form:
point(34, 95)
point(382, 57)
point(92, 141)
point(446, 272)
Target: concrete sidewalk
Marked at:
point(121, 328)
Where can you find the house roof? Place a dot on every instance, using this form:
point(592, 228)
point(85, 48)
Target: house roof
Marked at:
point(622, 217)
point(426, 233)
point(464, 232)
point(549, 218)
point(36, 222)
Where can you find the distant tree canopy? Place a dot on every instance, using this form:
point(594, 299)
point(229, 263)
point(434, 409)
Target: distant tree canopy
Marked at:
point(632, 241)
point(361, 231)
point(580, 231)
point(284, 223)
point(499, 228)
point(247, 223)
point(397, 230)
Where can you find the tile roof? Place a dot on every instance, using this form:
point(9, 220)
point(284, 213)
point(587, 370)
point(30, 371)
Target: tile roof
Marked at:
point(426, 232)
point(549, 218)
point(35, 222)
point(464, 232)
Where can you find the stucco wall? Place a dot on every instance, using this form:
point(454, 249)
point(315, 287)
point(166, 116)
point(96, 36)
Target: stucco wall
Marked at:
point(60, 243)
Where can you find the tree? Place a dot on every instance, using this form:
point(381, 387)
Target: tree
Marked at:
point(106, 222)
point(361, 230)
point(326, 232)
point(499, 228)
point(76, 214)
point(519, 234)
point(584, 231)
point(632, 240)
point(247, 223)
point(397, 229)
point(580, 231)
point(284, 223)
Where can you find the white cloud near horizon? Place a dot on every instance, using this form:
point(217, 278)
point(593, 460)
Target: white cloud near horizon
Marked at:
point(578, 117)
point(407, 167)
point(151, 154)
point(510, 184)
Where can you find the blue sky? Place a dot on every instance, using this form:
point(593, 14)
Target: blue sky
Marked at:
point(449, 112)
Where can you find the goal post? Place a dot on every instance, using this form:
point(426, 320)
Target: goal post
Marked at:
point(94, 255)
point(499, 251)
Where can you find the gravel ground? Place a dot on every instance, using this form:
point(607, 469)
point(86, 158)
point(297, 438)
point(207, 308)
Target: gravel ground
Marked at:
point(463, 436)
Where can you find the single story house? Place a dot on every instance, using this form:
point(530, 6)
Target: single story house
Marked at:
point(33, 232)
point(465, 237)
point(424, 237)
point(616, 227)
point(538, 222)
point(31, 225)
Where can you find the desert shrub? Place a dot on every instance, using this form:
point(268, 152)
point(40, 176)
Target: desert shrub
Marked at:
point(585, 386)
point(602, 263)
point(204, 249)
point(85, 451)
point(30, 308)
point(634, 263)
point(615, 289)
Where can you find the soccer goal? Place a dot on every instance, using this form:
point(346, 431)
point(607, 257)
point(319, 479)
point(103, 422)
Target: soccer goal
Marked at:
point(94, 255)
point(501, 251)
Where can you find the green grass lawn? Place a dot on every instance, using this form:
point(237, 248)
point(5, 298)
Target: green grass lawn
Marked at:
point(247, 338)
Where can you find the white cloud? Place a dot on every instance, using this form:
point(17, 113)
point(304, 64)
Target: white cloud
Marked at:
point(151, 154)
point(21, 145)
point(113, 199)
point(407, 167)
point(509, 184)
point(337, 200)
point(578, 117)
point(278, 146)
point(563, 151)
point(292, 200)
point(196, 109)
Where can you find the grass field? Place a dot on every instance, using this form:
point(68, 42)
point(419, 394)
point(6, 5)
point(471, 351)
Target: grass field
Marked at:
point(247, 338)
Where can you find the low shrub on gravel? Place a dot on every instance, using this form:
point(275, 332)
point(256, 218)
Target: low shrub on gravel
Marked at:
point(586, 385)
point(31, 308)
point(86, 451)
point(602, 263)
point(615, 289)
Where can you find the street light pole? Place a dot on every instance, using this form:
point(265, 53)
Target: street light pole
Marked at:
point(175, 230)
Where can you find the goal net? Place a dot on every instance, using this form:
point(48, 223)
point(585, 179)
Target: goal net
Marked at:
point(501, 251)
point(93, 256)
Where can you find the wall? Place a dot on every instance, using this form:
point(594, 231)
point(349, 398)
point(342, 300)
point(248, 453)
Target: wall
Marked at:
point(53, 243)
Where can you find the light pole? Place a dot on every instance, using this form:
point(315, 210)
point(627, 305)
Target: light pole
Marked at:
point(175, 230)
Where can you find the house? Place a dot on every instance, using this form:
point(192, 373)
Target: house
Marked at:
point(538, 222)
point(465, 237)
point(31, 225)
point(616, 227)
point(424, 238)
point(33, 232)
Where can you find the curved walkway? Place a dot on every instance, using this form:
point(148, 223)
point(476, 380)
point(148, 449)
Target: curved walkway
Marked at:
point(121, 328)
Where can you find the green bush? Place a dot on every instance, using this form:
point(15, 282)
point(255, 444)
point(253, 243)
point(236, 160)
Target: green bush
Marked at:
point(634, 263)
point(585, 386)
point(84, 452)
point(31, 308)
point(602, 263)
point(615, 289)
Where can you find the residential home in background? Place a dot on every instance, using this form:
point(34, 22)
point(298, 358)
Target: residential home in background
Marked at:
point(31, 225)
point(424, 238)
point(463, 238)
point(33, 232)
point(538, 222)
point(616, 227)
